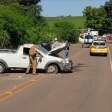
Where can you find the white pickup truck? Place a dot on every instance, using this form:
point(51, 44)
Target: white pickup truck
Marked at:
point(50, 61)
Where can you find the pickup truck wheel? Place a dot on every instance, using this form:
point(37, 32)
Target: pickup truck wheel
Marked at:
point(52, 69)
point(2, 67)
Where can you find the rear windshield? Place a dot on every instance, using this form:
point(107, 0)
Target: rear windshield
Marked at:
point(88, 37)
point(99, 43)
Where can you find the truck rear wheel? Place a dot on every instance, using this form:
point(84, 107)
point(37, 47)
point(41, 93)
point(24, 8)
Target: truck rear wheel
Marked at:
point(52, 68)
point(2, 67)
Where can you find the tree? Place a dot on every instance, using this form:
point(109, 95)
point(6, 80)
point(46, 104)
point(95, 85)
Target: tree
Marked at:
point(21, 2)
point(33, 9)
point(95, 17)
point(66, 31)
point(19, 23)
point(4, 39)
point(108, 8)
point(29, 7)
point(100, 18)
point(7, 2)
point(18, 28)
point(28, 2)
point(88, 12)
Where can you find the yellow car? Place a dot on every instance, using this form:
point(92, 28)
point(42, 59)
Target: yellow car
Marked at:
point(99, 47)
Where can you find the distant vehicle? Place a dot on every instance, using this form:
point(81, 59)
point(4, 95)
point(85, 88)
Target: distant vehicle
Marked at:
point(94, 33)
point(99, 47)
point(109, 38)
point(88, 39)
point(50, 61)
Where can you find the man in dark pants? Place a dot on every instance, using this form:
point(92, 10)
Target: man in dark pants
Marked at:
point(32, 60)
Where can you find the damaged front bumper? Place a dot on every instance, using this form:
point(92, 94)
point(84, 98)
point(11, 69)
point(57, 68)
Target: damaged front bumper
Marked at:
point(67, 65)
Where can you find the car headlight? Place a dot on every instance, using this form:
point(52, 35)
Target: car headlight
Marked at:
point(65, 61)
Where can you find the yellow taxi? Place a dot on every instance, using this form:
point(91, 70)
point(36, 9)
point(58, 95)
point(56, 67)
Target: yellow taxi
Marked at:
point(99, 47)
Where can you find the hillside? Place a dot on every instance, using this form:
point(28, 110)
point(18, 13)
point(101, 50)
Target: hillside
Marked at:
point(78, 21)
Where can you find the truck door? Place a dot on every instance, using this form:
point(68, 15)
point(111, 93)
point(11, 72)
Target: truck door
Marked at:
point(24, 58)
point(42, 61)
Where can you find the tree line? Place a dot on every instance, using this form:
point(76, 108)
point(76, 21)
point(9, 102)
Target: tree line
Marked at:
point(21, 22)
point(99, 18)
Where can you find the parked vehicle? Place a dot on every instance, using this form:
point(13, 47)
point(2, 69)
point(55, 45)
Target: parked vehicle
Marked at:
point(49, 61)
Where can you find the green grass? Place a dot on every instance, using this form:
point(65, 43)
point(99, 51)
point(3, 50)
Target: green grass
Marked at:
point(78, 21)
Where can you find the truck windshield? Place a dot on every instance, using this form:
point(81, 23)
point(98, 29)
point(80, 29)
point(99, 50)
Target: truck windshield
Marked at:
point(88, 37)
point(43, 49)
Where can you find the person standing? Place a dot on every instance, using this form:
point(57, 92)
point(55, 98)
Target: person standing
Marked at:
point(46, 45)
point(32, 60)
point(66, 50)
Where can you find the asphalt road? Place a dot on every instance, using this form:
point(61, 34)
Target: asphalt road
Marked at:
point(87, 89)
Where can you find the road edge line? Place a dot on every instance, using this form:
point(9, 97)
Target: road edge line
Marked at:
point(110, 59)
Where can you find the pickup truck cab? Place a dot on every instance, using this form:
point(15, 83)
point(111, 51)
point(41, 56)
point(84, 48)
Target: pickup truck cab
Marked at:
point(49, 61)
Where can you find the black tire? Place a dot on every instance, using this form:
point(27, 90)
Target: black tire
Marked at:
point(91, 54)
point(105, 54)
point(52, 68)
point(2, 67)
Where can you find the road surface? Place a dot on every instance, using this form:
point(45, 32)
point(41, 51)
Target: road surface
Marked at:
point(87, 89)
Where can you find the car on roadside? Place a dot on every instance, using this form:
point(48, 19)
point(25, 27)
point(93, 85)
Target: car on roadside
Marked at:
point(99, 47)
point(49, 61)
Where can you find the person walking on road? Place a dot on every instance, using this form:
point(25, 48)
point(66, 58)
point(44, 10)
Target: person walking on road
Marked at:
point(32, 60)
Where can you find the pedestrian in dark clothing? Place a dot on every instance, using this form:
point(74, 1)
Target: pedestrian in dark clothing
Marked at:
point(66, 50)
point(46, 45)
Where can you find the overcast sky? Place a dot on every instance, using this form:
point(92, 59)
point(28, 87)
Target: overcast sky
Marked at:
point(67, 7)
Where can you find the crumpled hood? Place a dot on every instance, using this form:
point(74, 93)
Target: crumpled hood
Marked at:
point(58, 49)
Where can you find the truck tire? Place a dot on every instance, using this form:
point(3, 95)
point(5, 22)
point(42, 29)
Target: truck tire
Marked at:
point(2, 67)
point(52, 68)
point(105, 54)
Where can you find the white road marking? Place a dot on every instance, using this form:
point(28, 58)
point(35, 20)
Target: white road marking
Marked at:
point(110, 58)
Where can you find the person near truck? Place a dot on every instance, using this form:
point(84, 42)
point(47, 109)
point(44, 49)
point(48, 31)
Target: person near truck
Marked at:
point(32, 60)
point(66, 50)
point(46, 45)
